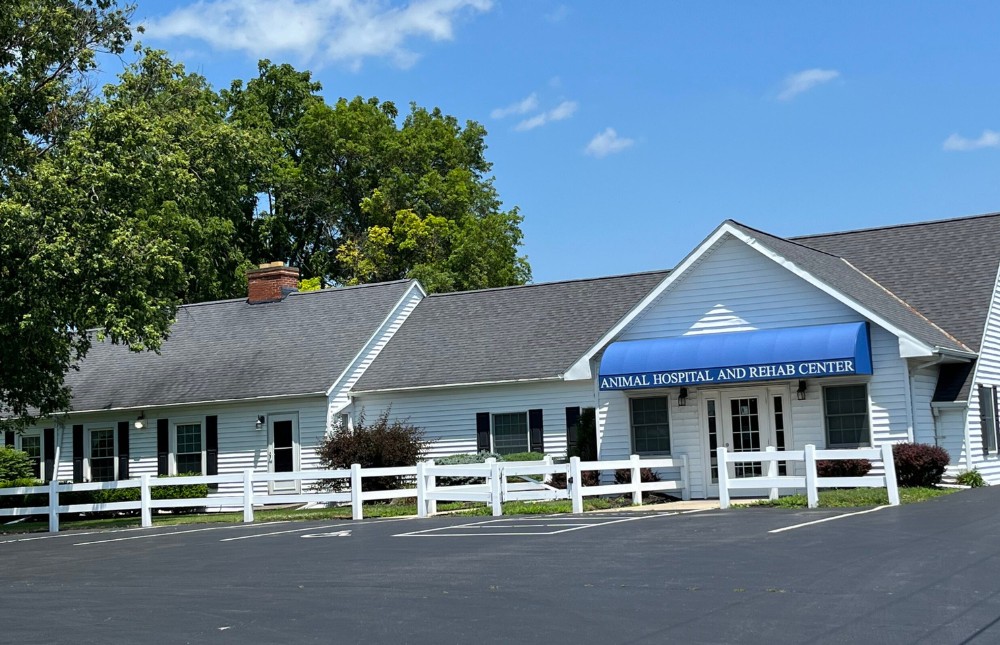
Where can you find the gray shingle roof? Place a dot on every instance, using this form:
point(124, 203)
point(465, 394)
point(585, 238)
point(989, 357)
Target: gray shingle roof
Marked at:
point(862, 288)
point(532, 331)
point(232, 350)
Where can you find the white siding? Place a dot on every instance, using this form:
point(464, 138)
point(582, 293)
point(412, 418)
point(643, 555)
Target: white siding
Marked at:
point(923, 382)
point(987, 373)
point(340, 392)
point(448, 415)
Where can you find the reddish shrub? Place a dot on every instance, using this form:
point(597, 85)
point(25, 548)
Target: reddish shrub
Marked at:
point(589, 477)
point(843, 467)
point(919, 464)
point(373, 445)
point(646, 475)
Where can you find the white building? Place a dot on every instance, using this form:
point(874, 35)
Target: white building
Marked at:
point(842, 340)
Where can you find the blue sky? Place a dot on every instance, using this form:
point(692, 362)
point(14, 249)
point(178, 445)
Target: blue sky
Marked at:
point(626, 131)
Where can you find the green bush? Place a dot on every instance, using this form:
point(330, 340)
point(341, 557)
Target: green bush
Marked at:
point(378, 445)
point(971, 478)
point(23, 501)
point(524, 456)
point(15, 464)
point(463, 460)
point(919, 464)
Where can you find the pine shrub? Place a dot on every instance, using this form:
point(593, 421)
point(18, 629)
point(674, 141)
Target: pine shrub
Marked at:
point(464, 460)
point(381, 444)
point(919, 464)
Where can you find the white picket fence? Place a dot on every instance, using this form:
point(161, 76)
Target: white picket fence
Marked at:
point(494, 490)
point(811, 482)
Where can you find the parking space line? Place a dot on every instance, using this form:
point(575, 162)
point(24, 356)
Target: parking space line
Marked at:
point(827, 519)
point(154, 535)
point(311, 528)
point(489, 526)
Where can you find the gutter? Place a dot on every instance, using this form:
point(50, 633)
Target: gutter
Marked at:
point(160, 406)
point(445, 386)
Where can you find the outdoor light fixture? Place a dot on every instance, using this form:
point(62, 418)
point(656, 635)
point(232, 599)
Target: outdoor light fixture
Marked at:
point(800, 393)
point(682, 397)
point(140, 421)
point(260, 421)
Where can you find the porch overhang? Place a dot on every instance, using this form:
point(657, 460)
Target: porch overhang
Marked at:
point(735, 357)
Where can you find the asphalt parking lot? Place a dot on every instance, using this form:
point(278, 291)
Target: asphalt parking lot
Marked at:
point(926, 573)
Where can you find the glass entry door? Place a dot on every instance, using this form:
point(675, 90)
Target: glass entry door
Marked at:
point(283, 451)
point(746, 427)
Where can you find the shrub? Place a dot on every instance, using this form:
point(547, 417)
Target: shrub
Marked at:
point(971, 478)
point(523, 456)
point(646, 475)
point(23, 501)
point(377, 445)
point(919, 464)
point(15, 464)
point(843, 467)
point(589, 477)
point(462, 460)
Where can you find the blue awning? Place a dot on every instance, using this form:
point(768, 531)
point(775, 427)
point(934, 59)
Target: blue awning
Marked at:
point(734, 357)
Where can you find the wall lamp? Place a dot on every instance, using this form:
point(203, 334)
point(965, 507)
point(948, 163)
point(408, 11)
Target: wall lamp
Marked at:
point(260, 421)
point(682, 397)
point(800, 393)
point(140, 421)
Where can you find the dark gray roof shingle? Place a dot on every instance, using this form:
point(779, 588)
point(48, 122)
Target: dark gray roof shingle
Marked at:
point(513, 333)
point(231, 350)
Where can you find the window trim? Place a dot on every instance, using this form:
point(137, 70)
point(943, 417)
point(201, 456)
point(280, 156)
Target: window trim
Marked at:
point(41, 450)
point(995, 417)
point(88, 447)
point(527, 430)
point(172, 456)
point(631, 428)
point(868, 418)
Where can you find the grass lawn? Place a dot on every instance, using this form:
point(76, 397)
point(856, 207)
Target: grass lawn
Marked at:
point(857, 497)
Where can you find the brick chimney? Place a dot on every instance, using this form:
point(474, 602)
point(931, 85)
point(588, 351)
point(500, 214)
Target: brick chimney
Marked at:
point(271, 282)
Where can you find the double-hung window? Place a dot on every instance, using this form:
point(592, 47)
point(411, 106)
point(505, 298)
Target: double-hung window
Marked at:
point(988, 417)
point(510, 433)
point(650, 425)
point(102, 464)
point(189, 448)
point(31, 445)
point(845, 412)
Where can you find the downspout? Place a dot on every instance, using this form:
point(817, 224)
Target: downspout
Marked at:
point(908, 395)
point(598, 418)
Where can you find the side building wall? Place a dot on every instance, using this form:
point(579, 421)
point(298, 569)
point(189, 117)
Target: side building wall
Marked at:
point(987, 373)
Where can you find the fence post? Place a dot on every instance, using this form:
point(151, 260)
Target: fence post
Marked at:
point(636, 480)
point(720, 455)
point(889, 465)
point(54, 506)
point(248, 495)
point(356, 510)
point(145, 497)
point(772, 471)
point(575, 484)
point(812, 490)
point(495, 498)
point(547, 477)
point(421, 489)
point(429, 486)
point(685, 479)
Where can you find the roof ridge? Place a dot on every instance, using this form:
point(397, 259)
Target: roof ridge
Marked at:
point(300, 293)
point(897, 226)
point(787, 240)
point(549, 283)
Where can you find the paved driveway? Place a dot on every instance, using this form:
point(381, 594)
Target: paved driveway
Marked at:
point(923, 573)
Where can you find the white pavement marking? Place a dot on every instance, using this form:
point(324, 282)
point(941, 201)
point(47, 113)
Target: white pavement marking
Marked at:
point(311, 528)
point(525, 522)
point(827, 519)
point(326, 535)
point(155, 535)
point(70, 534)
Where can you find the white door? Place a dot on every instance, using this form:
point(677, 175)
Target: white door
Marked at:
point(742, 421)
point(283, 450)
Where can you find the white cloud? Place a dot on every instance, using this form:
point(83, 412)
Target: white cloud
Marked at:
point(607, 143)
point(525, 105)
point(317, 31)
point(558, 14)
point(560, 112)
point(988, 139)
point(804, 81)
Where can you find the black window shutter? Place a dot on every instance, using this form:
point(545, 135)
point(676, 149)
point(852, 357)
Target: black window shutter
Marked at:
point(78, 453)
point(162, 447)
point(49, 453)
point(483, 431)
point(8, 438)
point(572, 426)
point(123, 450)
point(212, 445)
point(536, 435)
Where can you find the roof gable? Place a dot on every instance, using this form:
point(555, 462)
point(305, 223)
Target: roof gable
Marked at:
point(231, 350)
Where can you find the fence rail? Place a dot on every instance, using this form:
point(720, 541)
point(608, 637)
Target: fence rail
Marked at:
point(529, 483)
point(811, 482)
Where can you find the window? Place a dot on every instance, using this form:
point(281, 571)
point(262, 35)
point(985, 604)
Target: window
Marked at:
point(510, 433)
point(988, 417)
point(189, 446)
point(101, 457)
point(845, 411)
point(32, 446)
point(650, 425)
